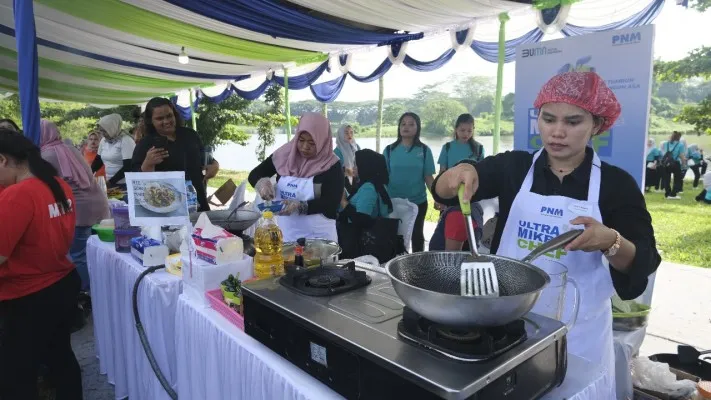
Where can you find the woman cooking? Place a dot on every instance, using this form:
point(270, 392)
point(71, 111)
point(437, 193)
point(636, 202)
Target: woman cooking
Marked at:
point(169, 146)
point(309, 181)
point(562, 186)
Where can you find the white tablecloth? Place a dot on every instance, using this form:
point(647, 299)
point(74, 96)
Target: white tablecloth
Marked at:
point(218, 361)
point(121, 356)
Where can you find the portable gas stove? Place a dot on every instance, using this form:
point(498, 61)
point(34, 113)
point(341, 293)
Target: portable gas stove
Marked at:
point(364, 343)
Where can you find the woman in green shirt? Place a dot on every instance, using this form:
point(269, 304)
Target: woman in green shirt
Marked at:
point(411, 169)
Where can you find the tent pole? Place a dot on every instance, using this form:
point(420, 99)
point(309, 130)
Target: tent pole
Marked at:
point(503, 17)
point(287, 108)
point(193, 109)
point(27, 74)
point(324, 109)
point(379, 127)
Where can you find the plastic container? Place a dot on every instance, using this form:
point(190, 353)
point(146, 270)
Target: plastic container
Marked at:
point(120, 215)
point(123, 238)
point(106, 233)
point(268, 241)
point(191, 194)
point(218, 304)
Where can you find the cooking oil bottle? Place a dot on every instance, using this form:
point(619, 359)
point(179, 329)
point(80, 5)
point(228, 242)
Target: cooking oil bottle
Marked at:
point(268, 241)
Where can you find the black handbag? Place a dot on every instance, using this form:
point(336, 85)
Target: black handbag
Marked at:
point(380, 240)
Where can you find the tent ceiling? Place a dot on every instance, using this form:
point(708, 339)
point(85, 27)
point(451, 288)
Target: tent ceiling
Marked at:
point(125, 51)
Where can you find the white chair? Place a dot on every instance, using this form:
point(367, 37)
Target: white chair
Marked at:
point(406, 212)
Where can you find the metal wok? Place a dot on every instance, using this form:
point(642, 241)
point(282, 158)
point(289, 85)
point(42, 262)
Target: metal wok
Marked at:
point(429, 283)
point(238, 219)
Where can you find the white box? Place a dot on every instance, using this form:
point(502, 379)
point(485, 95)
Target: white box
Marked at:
point(206, 276)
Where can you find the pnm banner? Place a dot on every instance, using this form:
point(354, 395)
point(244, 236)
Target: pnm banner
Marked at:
point(623, 58)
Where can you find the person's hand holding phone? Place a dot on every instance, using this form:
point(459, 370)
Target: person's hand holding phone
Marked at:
point(154, 156)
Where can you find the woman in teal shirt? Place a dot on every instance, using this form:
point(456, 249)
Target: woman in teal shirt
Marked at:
point(695, 155)
point(652, 176)
point(370, 201)
point(411, 168)
point(463, 147)
point(677, 151)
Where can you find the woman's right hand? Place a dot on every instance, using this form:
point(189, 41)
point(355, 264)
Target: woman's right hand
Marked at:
point(448, 183)
point(265, 189)
point(154, 156)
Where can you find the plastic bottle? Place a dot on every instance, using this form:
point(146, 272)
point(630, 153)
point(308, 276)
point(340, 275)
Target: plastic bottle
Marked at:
point(268, 241)
point(191, 194)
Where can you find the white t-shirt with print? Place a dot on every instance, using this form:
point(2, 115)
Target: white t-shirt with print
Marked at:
point(113, 154)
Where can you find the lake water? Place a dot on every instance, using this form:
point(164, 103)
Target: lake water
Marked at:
point(243, 158)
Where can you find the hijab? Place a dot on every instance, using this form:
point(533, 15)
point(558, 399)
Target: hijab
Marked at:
point(112, 125)
point(347, 148)
point(288, 160)
point(72, 168)
point(373, 168)
point(651, 144)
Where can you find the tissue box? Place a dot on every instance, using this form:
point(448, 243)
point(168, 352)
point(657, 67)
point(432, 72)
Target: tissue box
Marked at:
point(206, 276)
point(218, 249)
point(149, 252)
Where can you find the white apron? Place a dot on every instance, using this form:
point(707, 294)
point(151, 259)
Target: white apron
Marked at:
point(534, 219)
point(314, 226)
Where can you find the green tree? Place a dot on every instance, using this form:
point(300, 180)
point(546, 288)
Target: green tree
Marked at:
point(438, 116)
point(472, 88)
point(701, 5)
point(392, 113)
point(484, 104)
point(10, 108)
point(269, 120)
point(507, 107)
point(698, 115)
point(217, 122)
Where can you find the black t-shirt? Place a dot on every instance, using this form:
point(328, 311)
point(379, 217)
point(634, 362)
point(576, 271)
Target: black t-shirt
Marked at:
point(621, 205)
point(186, 154)
point(331, 187)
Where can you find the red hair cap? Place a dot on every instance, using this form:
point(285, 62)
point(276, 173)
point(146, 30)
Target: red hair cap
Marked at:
point(586, 90)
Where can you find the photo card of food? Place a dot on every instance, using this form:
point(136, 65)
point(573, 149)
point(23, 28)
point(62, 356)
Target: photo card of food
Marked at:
point(157, 198)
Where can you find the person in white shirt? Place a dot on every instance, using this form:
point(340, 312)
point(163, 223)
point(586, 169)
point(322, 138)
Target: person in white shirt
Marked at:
point(115, 150)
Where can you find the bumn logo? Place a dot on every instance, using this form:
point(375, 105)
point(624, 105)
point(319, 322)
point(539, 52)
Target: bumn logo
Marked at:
point(626, 38)
point(535, 51)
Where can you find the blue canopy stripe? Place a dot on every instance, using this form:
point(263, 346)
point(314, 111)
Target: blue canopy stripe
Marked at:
point(489, 50)
point(644, 17)
point(276, 19)
point(27, 68)
point(327, 92)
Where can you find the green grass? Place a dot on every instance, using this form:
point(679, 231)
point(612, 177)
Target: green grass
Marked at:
point(225, 174)
point(682, 227)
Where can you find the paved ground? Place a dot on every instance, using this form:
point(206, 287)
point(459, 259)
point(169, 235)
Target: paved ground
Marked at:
point(681, 314)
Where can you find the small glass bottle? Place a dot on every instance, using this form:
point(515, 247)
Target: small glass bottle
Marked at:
point(299, 252)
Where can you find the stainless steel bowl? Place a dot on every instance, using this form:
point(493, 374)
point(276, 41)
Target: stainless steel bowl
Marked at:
point(429, 283)
point(316, 251)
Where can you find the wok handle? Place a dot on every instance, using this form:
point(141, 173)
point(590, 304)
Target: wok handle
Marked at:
point(553, 244)
point(465, 206)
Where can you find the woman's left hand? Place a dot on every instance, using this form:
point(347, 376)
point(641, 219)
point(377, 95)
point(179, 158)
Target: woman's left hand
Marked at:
point(596, 236)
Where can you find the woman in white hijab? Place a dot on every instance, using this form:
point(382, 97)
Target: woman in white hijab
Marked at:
point(346, 147)
point(115, 150)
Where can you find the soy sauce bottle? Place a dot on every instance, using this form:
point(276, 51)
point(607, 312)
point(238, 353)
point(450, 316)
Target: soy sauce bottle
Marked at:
point(299, 252)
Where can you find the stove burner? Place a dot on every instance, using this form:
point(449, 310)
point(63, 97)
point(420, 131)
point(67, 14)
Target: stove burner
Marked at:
point(461, 344)
point(325, 280)
point(458, 335)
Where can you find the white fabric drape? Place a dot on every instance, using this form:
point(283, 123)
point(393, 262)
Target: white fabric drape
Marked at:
point(413, 15)
point(218, 361)
point(121, 356)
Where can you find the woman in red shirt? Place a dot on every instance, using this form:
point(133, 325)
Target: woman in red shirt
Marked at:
point(38, 282)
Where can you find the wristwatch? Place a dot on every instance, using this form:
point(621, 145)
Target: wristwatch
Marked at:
point(615, 246)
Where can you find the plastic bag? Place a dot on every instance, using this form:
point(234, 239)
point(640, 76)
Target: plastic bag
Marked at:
point(656, 376)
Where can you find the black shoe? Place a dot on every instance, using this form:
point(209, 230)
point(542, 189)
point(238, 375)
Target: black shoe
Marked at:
point(84, 300)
